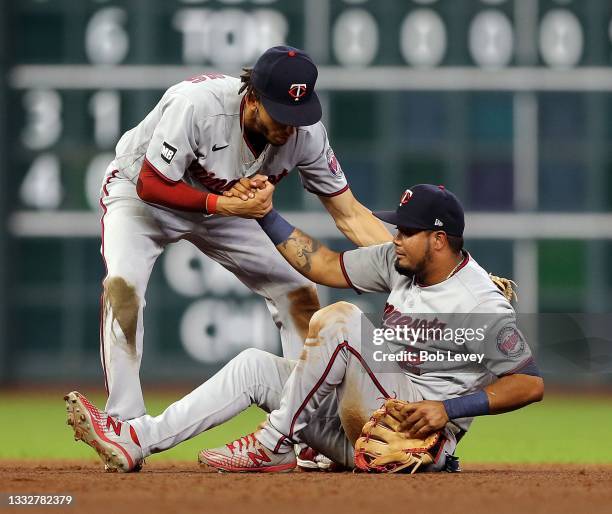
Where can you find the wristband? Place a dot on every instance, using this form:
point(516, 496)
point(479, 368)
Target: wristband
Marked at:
point(210, 203)
point(276, 227)
point(468, 406)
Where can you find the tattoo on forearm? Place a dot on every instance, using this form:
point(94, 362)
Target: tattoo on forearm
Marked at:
point(299, 248)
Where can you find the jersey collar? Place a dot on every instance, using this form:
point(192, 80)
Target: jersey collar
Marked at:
point(466, 259)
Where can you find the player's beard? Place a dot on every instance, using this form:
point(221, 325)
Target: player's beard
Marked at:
point(419, 269)
point(263, 132)
point(256, 136)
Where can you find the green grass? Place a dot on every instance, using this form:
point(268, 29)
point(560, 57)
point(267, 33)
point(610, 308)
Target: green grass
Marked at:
point(573, 429)
point(560, 429)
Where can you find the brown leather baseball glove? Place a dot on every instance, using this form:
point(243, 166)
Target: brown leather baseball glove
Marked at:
point(383, 448)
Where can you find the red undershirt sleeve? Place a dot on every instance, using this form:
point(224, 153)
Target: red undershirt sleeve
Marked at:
point(153, 187)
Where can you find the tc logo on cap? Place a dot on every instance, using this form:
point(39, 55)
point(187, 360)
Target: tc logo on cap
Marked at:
point(297, 91)
point(406, 197)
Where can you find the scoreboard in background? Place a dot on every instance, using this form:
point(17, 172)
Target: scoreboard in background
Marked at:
point(505, 101)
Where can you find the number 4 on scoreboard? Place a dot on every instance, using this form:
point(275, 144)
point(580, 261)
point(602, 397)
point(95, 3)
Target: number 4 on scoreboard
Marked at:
point(42, 186)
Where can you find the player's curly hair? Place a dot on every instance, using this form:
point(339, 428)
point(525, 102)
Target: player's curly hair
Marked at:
point(246, 85)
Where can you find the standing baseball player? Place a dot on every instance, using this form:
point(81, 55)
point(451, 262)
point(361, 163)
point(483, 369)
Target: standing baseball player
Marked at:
point(204, 138)
point(427, 274)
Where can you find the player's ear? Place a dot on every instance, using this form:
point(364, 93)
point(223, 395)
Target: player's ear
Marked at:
point(251, 99)
point(440, 240)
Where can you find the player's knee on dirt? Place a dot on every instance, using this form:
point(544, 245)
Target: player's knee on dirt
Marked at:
point(122, 303)
point(336, 313)
point(303, 303)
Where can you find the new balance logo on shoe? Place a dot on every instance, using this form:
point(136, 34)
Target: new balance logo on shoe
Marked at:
point(247, 454)
point(118, 449)
point(259, 457)
point(116, 425)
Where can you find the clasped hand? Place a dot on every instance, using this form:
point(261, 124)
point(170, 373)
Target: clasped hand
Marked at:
point(249, 197)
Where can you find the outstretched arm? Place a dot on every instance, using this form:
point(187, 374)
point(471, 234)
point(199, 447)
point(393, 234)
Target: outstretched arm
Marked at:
point(307, 255)
point(355, 221)
point(312, 259)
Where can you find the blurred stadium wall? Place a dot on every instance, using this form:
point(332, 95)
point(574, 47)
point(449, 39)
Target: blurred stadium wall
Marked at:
point(506, 102)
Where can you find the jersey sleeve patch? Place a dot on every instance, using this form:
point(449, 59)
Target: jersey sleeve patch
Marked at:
point(320, 170)
point(168, 152)
point(333, 164)
point(511, 342)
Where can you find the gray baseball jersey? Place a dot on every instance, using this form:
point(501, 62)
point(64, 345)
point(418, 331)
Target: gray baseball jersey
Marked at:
point(472, 300)
point(194, 134)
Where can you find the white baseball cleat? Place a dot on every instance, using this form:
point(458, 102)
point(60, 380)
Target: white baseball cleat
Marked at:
point(311, 460)
point(247, 454)
point(115, 441)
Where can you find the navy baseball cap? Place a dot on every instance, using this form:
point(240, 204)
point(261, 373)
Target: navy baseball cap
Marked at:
point(285, 79)
point(427, 207)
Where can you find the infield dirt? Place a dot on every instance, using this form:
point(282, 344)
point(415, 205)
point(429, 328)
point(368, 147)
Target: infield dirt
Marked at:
point(184, 487)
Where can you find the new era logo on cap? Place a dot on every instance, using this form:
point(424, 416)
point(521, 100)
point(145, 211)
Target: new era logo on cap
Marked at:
point(438, 223)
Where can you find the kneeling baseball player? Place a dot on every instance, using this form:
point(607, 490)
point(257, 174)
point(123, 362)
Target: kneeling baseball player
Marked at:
point(330, 399)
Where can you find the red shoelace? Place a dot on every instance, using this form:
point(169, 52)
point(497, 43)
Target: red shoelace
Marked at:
point(245, 440)
point(101, 419)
